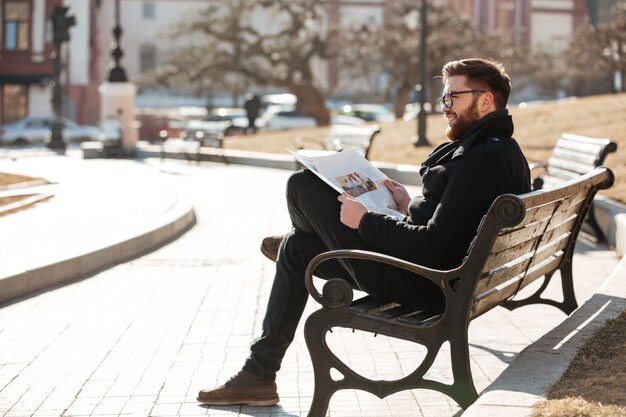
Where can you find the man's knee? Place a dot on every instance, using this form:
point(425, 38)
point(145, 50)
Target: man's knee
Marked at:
point(301, 181)
point(305, 190)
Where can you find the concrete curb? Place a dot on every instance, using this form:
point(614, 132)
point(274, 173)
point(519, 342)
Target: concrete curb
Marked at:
point(611, 217)
point(404, 173)
point(173, 224)
point(522, 385)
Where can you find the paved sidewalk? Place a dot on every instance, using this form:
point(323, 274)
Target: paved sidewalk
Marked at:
point(141, 338)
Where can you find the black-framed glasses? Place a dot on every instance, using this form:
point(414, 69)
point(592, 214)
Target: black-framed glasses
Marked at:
point(446, 99)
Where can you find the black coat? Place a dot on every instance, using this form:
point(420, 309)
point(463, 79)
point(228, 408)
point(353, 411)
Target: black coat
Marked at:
point(460, 181)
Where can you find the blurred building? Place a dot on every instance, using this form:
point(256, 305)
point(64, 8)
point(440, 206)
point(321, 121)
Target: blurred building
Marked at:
point(526, 22)
point(26, 67)
point(145, 44)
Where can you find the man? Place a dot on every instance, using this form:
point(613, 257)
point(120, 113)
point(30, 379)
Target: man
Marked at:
point(460, 181)
point(252, 107)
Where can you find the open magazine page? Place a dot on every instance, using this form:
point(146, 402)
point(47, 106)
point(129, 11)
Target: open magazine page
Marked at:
point(306, 159)
point(349, 171)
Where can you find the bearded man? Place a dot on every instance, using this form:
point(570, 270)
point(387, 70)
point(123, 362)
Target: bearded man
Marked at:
point(460, 178)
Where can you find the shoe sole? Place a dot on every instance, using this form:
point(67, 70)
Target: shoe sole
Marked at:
point(268, 254)
point(268, 402)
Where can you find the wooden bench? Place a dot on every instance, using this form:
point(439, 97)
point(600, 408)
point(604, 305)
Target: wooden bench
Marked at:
point(191, 150)
point(520, 239)
point(572, 156)
point(342, 137)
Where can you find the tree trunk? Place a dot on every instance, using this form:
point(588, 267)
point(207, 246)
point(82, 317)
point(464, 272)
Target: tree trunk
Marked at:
point(312, 103)
point(402, 97)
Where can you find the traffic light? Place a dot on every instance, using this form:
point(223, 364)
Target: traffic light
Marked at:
point(61, 24)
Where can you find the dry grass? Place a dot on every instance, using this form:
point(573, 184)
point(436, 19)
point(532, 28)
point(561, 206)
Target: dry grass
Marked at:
point(9, 179)
point(594, 383)
point(537, 128)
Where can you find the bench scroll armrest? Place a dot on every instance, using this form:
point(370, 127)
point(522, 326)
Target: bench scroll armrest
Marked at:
point(337, 293)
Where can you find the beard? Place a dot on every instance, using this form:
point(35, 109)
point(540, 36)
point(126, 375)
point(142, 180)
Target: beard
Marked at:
point(464, 121)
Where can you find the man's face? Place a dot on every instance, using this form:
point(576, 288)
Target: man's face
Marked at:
point(464, 112)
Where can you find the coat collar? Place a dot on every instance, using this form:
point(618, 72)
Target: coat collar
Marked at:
point(496, 123)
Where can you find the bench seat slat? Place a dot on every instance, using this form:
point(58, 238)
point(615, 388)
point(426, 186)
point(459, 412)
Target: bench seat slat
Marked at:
point(369, 305)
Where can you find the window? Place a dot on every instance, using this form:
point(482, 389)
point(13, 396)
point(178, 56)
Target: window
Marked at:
point(148, 10)
point(147, 57)
point(38, 124)
point(14, 102)
point(16, 25)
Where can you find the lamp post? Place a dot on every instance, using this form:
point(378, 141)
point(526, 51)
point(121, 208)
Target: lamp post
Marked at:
point(117, 94)
point(117, 73)
point(60, 31)
point(421, 140)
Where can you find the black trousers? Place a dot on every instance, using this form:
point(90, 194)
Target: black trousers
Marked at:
point(314, 212)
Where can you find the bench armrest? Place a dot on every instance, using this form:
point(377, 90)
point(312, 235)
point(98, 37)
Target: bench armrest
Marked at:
point(343, 299)
point(538, 165)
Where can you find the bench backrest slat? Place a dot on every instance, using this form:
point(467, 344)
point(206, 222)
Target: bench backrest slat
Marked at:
point(545, 235)
point(588, 159)
point(574, 155)
point(341, 137)
point(558, 164)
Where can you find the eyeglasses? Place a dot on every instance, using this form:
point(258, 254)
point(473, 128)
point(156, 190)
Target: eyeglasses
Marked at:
point(446, 99)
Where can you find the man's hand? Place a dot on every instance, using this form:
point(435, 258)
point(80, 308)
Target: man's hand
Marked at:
point(400, 195)
point(352, 210)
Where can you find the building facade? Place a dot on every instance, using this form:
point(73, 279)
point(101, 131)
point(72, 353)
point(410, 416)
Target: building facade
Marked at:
point(526, 22)
point(26, 43)
point(26, 46)
point(25, 64)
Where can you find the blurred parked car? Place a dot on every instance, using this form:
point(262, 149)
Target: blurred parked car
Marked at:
point(276, 118)
point(111, 133)
point(155, 128)
point(411, 111)
point(286, 101)
point(368, 112)
point(35, 130)
point(228, 120)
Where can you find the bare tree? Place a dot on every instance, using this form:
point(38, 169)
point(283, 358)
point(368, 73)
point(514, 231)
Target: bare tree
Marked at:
point(598, 50)
point(267, 42)
point(392, 47)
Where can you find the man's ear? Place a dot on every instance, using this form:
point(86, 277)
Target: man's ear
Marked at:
point(487, 104)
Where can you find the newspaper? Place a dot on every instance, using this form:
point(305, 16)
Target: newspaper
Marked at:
point(350, 172)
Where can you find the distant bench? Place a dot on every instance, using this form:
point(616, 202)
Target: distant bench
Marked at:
point(520, 239)
point(191, 149)
point(342, 137)
point(572, 156)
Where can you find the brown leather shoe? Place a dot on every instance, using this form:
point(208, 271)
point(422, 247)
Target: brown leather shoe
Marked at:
point(269, 247)
point(242, 389)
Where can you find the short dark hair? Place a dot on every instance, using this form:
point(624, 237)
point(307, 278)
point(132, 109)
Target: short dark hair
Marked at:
point(482, 74)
